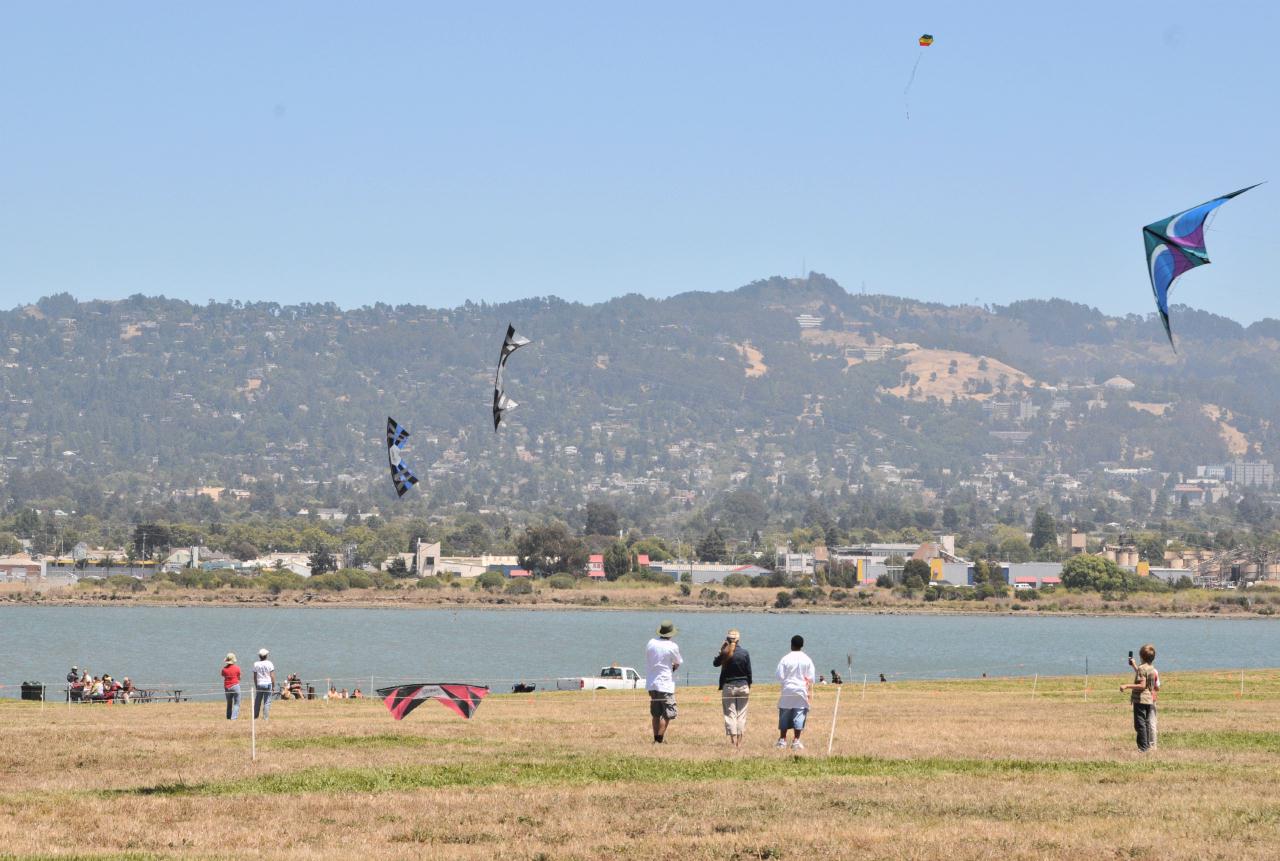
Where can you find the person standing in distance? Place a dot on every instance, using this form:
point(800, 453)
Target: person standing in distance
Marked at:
point(661, 660)
point(735, 686)
point(231, 685)
point(796, 672)
point(264, 683)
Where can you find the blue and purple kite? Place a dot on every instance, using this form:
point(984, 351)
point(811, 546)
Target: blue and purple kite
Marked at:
point(1175, 245)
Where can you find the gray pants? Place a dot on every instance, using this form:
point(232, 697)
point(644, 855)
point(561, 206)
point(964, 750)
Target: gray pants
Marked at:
point(1142, 725)
point(733, 701)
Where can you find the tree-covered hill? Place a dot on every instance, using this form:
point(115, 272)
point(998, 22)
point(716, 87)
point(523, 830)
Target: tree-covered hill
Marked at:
point(657, 403)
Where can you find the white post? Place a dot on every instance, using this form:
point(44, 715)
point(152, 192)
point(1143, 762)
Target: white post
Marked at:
point(1242, 683)
point(42, 691)
point(834, 714)
point(864, 686)
point(1034, 684)
point(253, 724)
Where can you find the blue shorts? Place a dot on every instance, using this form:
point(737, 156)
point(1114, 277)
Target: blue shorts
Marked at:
point(792, 719)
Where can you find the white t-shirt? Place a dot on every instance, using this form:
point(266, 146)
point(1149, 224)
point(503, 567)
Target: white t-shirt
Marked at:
point(661, 657)
point(793, 670)
point(262, 671)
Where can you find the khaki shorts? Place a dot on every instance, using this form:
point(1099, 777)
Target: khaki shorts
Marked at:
point(662, 705)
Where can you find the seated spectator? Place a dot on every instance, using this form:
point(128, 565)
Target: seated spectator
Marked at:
point(311, 692)
point(95, 689)
point(835, 678)
point(356, 695)
point(126, 690)
point(343, 695)
point(75, 685)
point(294, 685)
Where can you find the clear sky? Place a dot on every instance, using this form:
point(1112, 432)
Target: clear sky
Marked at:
point(431, 152)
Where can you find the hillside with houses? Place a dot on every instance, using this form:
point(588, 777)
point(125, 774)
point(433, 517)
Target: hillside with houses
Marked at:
point(785, 405)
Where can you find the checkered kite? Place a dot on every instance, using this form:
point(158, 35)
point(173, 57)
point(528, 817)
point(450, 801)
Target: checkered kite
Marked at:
point(460, 698)
point(401, 476)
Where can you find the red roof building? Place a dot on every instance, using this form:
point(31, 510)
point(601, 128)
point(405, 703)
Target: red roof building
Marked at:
point(595, 566)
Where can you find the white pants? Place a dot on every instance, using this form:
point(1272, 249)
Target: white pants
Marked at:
point(733, 700)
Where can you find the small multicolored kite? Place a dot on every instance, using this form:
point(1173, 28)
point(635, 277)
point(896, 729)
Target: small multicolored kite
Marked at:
point(926, 40)
point(502, 403)
point(463, 699)
point(401, 476)
point(1175, 245)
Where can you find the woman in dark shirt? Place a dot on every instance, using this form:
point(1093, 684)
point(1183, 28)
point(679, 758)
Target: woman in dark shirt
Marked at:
point(735, 686)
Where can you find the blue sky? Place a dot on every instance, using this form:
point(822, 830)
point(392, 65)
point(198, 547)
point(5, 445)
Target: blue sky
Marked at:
point(431, 153)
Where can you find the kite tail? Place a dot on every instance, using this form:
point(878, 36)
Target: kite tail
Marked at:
point(911, 80)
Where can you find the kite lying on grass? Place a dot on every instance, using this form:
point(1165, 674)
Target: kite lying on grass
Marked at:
point(463, 699)
point(1176, 244)
point(502, 403)
point(401, 476)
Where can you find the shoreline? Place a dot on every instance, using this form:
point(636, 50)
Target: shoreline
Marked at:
point(186, 601)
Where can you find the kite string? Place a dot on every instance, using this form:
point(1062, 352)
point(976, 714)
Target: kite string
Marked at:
point(911, 80)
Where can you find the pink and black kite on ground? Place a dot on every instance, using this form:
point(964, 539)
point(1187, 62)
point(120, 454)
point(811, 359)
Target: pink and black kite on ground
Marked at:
point(463, 699)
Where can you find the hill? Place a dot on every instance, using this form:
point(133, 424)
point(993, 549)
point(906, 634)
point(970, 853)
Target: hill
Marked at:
point(789, 388)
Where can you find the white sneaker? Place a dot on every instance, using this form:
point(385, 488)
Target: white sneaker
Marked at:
point(782, 744)
point(796, 745)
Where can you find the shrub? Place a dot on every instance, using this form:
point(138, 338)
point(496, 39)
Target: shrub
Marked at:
point(561, 581)
point(332, 581)
point(430, 583)
point(884, 581)
point(783, 600)
point(737, 580)
point(685, 589)
point(490, 581)
point(520, 586)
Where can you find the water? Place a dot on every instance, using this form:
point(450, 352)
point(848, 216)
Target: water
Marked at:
point(184, 646)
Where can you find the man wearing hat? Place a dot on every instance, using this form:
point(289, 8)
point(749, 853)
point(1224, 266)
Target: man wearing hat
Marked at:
point(74, 687)
point(661, 660)
point(231, 685)
point(264, 684)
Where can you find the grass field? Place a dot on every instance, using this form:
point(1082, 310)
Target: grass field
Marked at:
point(955, 770)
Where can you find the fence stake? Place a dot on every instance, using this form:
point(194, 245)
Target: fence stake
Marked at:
point(864, 686)
point(1086, 678)
point(834, 714)
point(1242, 682)
point(1034, 684)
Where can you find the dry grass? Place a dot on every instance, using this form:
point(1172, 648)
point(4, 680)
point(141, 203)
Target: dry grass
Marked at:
point(975, 769)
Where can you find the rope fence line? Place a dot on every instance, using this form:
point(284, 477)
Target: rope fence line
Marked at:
point(213, 690)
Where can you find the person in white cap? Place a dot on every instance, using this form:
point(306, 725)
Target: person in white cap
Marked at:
point(264, 683)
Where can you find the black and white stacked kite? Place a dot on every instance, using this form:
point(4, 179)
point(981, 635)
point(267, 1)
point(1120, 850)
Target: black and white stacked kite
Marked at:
point(502, 403)
point(401, 476)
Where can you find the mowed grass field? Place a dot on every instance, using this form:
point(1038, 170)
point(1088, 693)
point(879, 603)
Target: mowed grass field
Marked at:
point(954, 770)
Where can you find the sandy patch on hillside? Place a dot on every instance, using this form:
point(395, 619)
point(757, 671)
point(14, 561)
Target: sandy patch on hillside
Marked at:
point(932, 367)
point(1237, 442)
point(754, 359)
point(1154, 409)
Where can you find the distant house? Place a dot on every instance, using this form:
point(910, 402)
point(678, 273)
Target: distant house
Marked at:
point(335, 515)
point(642, 560)
point(595, 566)
point(21, 568)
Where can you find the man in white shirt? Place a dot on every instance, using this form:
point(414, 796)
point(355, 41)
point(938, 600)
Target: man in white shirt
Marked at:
point(796, 672)
point(264, 683)
point(661, 660)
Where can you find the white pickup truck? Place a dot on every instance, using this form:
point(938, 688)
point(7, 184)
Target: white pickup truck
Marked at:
point(609, 678)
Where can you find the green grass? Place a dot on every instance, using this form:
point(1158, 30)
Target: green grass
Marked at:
point(578, 770)
point(1224, 740)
